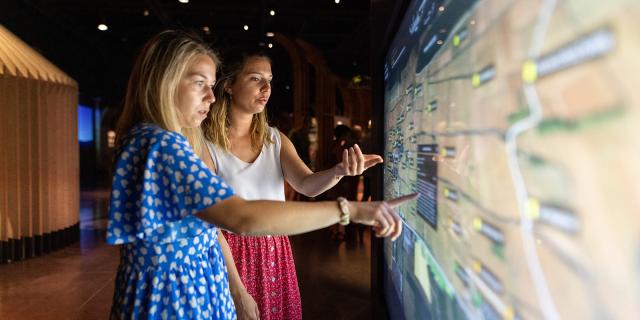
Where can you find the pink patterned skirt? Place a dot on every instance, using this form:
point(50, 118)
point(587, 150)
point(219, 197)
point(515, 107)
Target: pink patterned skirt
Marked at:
point(267, 270)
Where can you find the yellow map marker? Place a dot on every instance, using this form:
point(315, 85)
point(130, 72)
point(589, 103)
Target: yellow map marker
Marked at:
point(476, 266)
point(508, 313)
point(475, 80)
point(533, 208)
point(529, 71)
point(477, 223)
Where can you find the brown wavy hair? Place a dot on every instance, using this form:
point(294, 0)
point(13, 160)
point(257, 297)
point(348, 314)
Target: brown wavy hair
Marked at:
point(216, 125)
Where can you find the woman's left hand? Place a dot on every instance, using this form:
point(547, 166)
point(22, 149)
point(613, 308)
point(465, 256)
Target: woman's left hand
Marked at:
point(246, 307)
point(355, 163)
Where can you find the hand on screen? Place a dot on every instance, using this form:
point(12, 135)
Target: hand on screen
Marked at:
point(355, 163)
point(381, 215)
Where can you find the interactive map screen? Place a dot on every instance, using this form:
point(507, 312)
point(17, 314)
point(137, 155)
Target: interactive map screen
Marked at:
point(518, 121)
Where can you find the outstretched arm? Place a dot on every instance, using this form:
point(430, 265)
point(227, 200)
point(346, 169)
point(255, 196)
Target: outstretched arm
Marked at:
point(262, 217)
point(311, 184)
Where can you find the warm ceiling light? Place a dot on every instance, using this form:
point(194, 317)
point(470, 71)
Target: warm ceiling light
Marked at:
point(271, 34)
point(145, 12)
point(337, 1)
point(272, 12)
point(102, 27)
point(441, 8)
point(270, 45)
point(183, 1)
point(206, 29)
point(246, 27)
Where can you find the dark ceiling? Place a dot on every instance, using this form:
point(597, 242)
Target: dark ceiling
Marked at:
point(66, 33)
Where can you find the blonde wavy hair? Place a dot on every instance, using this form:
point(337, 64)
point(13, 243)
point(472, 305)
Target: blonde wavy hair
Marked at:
point(153, 84)
point(216, 125)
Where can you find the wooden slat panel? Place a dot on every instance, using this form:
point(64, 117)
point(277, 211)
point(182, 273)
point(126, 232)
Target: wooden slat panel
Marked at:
point(4, 183)
point(15, 65)
point(24, 163)
point(74, 153)
point(39, 159)
point(6, 56)
point(34, 192)
point(56, 177)
point(20, 58)
point(38, 136)
point(11, 150)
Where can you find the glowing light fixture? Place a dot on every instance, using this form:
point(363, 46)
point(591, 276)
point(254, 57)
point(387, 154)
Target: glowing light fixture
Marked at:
point(103, 27)
point(183, 1)
point(246, 27)
point(270, 45)
point(271, 34)
point(272, 12)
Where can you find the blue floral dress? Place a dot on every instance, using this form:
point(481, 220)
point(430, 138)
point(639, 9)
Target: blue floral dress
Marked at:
point(171, 265)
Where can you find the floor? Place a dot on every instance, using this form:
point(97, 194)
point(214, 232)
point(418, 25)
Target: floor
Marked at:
point(77, 282)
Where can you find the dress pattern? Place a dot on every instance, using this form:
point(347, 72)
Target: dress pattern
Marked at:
point(268, 272)
point(265, 263)
point(171, 265)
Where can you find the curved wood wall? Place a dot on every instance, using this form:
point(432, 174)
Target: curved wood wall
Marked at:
point(39, 164)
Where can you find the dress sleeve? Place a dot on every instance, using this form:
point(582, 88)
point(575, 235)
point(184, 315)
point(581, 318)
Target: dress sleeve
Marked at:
point(158, 185)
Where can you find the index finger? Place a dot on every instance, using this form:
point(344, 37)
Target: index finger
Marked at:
point(400, 200)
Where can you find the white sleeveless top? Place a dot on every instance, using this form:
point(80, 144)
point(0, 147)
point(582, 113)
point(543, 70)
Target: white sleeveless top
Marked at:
point(261, 180)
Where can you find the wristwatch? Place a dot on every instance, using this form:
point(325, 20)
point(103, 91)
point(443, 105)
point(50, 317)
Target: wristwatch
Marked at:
point(344, 211)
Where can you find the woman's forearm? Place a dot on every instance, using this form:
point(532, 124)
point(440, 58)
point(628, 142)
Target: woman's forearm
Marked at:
point(235, 282)
point(263, 217)
point(318, 182)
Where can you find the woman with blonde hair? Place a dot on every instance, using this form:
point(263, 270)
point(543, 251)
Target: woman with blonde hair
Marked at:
point(166, 206)
point(255, 160)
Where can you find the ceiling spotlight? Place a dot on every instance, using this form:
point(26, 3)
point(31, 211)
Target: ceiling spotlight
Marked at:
point(271, 34)
point(246, 27)
point(337, 1)
point(441, 8)
point(270, 45)
point(272, 12)
point(206, 29)
point(183, 1)
point(145, 13)
point(102, 27)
